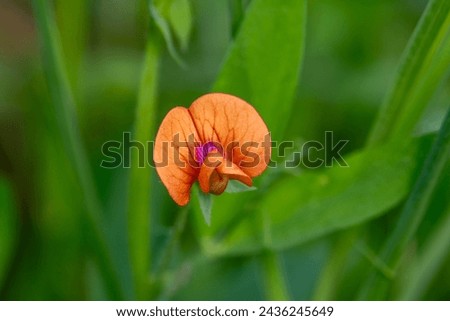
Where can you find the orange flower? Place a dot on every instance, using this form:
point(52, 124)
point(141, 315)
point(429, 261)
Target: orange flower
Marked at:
point(219, 137)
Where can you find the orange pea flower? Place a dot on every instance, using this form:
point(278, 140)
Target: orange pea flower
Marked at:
point(218, 138)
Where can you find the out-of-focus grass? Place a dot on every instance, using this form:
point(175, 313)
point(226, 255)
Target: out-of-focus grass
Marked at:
point(139, 186)
point(416, 76)
point(269, 243)
point(412, 214)
point(64, 109)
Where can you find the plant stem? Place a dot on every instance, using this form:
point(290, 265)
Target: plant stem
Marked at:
point(274, 279)
point(72, 18)
point(413, 212)
point(333, 269)
point(435, 251)
point(422, 94)
point(64, 104)
point(167, 254)
point(139, 188)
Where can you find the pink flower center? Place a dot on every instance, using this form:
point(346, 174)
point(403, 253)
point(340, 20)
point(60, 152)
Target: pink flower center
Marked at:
point(202, 151)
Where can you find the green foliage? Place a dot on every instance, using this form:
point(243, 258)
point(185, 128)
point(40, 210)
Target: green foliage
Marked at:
point(173, 17)
point(181, 20)
point(248, 65)
point(419, 275)
point(413, 211)
point(274, 278)
point(237, 187)
point(252, 70)
point(205, 202)
point(139, 187)
point(72, 21)
point(378, 227)
point(424, 63)
point(64, 109)
point(299, 209)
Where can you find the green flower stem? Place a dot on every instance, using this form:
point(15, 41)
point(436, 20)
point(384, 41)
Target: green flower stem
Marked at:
point(274, 279)
point(422, 270)
point(412, 214)
point(423, 49)
point(330, 275)
point(139, 188)
point(172, 243)
point(64, 105)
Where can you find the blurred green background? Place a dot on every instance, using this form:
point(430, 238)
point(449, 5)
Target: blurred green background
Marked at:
point(76, 74)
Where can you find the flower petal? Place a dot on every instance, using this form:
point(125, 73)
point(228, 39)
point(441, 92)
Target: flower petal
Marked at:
point(173, 154)
point(237, 126)
point(215, 173)
point(232, 171)
point(208, 174)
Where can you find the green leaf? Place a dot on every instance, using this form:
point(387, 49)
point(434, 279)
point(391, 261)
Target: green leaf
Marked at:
point(420, 273)
point(413, 212)
point(180, 17)
point(237, 9)
point(263, 64)
point(418, 100)
point(237, 187)
point(64, 108)
point(299, 209)
point(252, 71)
point(205, 201)
point(274, 278)
point(140, 177)
point(415, 82)
point(72, 18)
point(8, 226)
point(160, 17)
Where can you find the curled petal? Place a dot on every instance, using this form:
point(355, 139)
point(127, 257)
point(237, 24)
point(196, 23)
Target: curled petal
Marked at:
point(232, 171)
point(173, 154)
point(215, 173)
